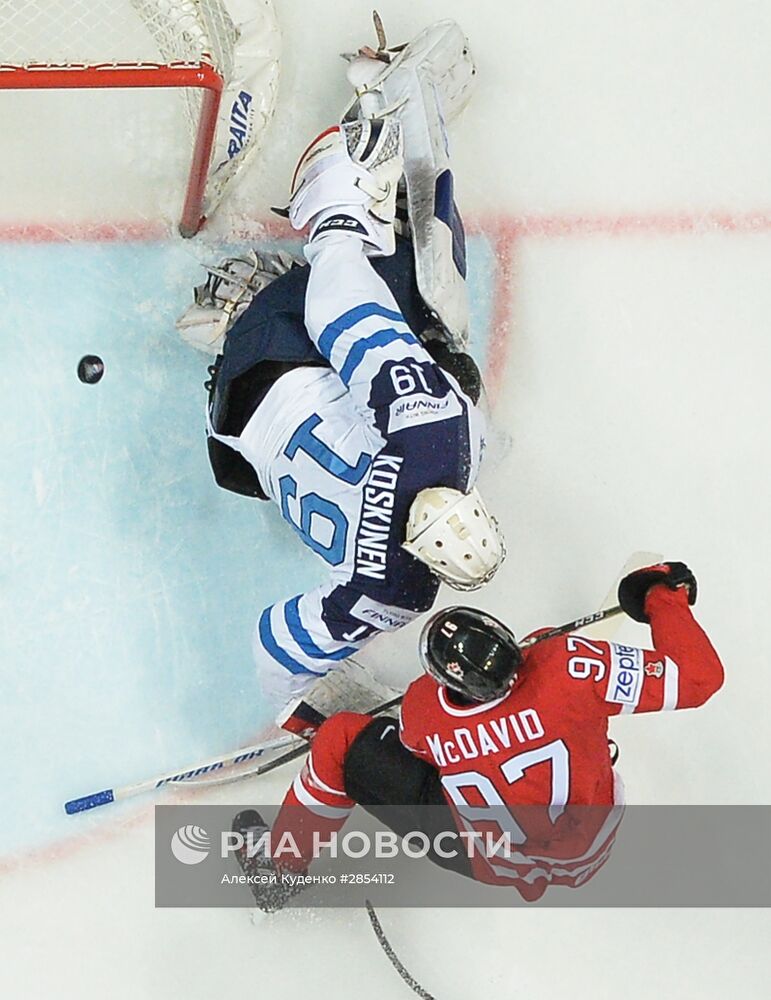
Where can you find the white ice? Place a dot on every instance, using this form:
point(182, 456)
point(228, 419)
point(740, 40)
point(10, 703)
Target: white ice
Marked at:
point(614, 171)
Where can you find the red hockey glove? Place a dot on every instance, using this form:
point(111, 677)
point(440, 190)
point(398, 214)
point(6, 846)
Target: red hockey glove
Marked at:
point(634, 588)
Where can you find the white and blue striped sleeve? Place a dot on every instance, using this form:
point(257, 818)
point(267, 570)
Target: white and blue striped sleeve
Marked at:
point(353, 319)
point(293, 647)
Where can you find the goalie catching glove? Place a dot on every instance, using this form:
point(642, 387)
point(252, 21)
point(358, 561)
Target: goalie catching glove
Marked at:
point(225, 294)
point(633, 589)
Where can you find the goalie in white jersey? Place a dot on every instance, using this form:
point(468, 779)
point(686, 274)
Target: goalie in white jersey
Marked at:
point(369, 446)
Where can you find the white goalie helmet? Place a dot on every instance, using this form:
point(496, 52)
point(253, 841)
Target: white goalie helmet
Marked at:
point(455, 536)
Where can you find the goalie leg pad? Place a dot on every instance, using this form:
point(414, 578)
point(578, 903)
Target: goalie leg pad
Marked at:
point(350, 687)
point(428, 83)
point(440, 52)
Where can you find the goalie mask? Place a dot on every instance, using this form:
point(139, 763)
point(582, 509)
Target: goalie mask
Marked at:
point(454, 535)
point(471, 653)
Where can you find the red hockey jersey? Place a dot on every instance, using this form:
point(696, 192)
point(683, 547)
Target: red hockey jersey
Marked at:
point(539, 755)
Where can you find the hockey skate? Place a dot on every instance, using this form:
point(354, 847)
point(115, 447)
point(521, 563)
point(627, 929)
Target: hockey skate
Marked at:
point(271, 890)
point(346, 182)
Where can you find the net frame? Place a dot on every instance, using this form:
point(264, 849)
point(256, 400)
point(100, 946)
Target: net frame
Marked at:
point(200, 73)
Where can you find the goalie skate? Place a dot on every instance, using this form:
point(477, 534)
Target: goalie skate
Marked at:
point(440, 53)
point(346, 181)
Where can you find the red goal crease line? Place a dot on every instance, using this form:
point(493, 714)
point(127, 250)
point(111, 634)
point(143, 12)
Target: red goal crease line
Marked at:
point(697, 223)
point(504, 232)
point(498, 226)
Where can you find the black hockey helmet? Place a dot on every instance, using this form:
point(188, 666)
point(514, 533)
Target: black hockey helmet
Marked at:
point(470, 652)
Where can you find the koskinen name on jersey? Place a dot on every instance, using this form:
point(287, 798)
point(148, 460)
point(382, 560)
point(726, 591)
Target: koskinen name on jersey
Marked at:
point(377, 512)
point(486, 737)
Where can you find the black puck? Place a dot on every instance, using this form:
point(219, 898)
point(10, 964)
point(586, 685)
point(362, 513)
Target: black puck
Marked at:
point(90, 369)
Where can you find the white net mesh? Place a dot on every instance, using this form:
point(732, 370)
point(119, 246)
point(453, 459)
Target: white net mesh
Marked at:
point(119, 32)
point(77, 35)
point(95, 32)
point(191, 30)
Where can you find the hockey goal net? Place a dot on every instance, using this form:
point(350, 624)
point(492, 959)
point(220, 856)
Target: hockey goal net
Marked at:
point(191, 45)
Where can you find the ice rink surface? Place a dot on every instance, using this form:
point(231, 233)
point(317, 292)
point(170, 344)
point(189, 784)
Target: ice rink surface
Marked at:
point(614, 170)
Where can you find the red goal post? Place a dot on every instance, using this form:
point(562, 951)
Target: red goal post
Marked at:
point(190, 45)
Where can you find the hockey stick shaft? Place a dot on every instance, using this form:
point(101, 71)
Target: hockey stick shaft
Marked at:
point(551, 633)
point(573, 626)
point(233, 759)
point(241, 756)
point(295, 752)
point(391, 955)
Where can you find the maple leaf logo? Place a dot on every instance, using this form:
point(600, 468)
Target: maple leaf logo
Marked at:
point(655, 669)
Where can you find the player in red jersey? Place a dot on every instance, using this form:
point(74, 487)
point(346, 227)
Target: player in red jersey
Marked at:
point(494, 736)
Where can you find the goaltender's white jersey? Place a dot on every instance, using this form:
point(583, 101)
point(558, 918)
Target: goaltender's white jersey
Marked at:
point(343, 451)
